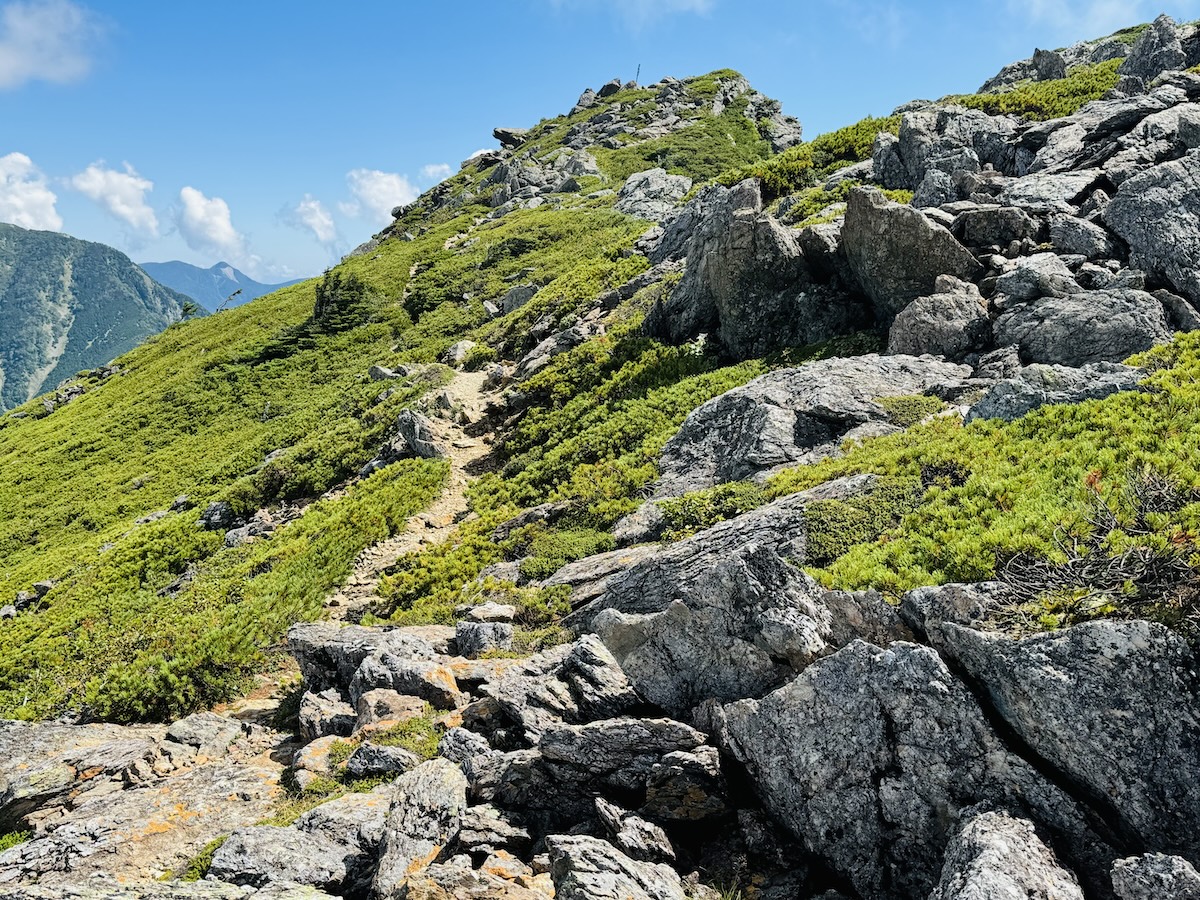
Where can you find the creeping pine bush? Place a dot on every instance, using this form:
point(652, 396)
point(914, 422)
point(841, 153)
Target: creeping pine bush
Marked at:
point(1042, 100)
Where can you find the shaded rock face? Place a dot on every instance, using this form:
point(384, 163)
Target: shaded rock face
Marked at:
point(793, 416)
point(1111, 704)
point(1156, 50)
point(872, 758)
point(748, 286)
point(896, 253)
point(585, 868)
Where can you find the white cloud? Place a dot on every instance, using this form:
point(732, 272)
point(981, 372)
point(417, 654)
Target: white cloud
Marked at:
point(376, 193)
point(123, 194)
point(638, 13)
point(1100, 16)
point(25, 199)
point(311, 214)
point(207, 226)
point(437, 171)
point(45, 40)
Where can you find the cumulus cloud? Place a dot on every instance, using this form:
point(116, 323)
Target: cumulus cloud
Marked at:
point(207, 226)
point(121, 193)
point(45, 40)
point(25, 198)
point(437, 171)
point(375, 194)
point(1101, 16)
point(638, 13)
point(310, 214)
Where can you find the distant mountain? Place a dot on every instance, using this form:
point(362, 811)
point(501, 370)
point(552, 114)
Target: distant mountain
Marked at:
point(67, 305)
point(210, 287)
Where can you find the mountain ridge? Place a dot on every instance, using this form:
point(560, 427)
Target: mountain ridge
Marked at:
point(715, 513)
point(213, 287)
point(69, 305)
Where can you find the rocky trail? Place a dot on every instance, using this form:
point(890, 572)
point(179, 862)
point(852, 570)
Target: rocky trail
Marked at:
point(463, 400)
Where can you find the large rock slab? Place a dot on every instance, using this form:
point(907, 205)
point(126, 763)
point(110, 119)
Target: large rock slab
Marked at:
point(873, 758)
point(587, 868)
point(329, 654)
point(1114, 706)
point(897, 253)
point(747, 285)
point(793, 416)
point(1040, 385)
point(1157, 213)
point(1000, 857)
point(427, 804)
point(1157, 50)
point(1155, 876)
point(1085, 327)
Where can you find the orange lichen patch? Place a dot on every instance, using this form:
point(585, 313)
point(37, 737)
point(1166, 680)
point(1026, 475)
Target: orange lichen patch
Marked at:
point(422, 863)
point(450, 719)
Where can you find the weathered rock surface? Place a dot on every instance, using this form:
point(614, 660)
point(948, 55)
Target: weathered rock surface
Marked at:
point(872, 758)
point(748, 286)
point(1111, 704)
point(1039, 385)
point(586, 868)
point(427, 804)
point(1084, 327)
point(1155, 876)
point(897, 253)
point(652, 194)
point(793, 416)
point(999, 857)
point(952, 322)
point(1157, 213)
point(266, 854)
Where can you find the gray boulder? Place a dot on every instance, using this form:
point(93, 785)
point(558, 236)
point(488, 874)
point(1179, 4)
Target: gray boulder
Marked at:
point(575, 683)
point(994, 226)
point(716, 617)
point(1111, 704)
point(586, 868)
point(793, 416)
point(1040, 385)
point(265, 854)
point(473, 639)
point(1049, 192)
point(329, 654)
point(633, 835)
point(873, 758)
point(1155, 877)
point(897, 253)
point(517, 296)
point(1069, 234)
point(652, 194)
point(1157, 213)
point(325, 713)
point(931, 139)
point(457, 354)
point(373, 761)
point(952, 322)
point(1084, 327)
point(1156, 50)
point(747, 284)
point(1040, 275)
point(433, 682)
point(426, 807)
point(556, 344)
point(999, 857)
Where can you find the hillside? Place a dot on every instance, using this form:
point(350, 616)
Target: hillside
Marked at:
point(663, 506)
point(68, 305)
point(213, 287)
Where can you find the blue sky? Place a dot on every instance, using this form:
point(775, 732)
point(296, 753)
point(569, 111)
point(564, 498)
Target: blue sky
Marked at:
point(277, 135)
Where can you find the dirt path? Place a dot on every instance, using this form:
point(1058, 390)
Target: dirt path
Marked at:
point(436, 523)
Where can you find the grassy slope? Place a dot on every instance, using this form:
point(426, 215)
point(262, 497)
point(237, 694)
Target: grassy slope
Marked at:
point(202, 405)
